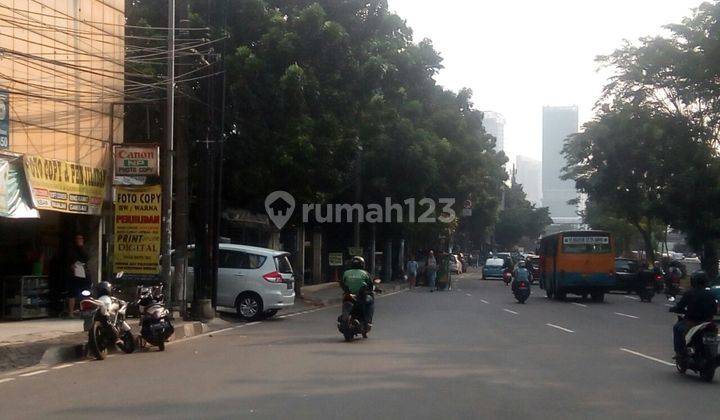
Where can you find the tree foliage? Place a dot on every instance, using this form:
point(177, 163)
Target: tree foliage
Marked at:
point(520, 222)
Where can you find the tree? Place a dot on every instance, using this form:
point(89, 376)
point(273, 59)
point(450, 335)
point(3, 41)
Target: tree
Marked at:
point(519, 219)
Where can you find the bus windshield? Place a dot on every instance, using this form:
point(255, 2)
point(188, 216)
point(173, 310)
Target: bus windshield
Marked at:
point(586, 245)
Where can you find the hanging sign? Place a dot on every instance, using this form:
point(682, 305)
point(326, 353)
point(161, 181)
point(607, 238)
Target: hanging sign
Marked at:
point(138, 211)
point(65, 186)
point(137, 160)
point(4, 120)
point(335, 259)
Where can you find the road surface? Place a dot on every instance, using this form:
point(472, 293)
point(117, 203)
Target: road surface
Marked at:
point(472, 352)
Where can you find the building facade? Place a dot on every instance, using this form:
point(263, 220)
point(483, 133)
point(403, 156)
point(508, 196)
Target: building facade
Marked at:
point(529, 174)
point(494, 124)
point(62, 87)
point(558, 124)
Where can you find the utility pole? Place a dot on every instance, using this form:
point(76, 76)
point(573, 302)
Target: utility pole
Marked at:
point(358, 194)
point(167, 176)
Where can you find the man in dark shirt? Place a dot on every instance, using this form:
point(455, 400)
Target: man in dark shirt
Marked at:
point(698, 304)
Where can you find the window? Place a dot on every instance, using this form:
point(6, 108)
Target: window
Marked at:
point(494, 262)
point(282, 263)
point(240, 260)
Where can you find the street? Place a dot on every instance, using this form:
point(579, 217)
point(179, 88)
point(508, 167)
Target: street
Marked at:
point(472, 352)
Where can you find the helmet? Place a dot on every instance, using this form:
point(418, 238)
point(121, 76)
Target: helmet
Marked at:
point(521, 264)
point(358, 263)
point(699, 279)
point(104, 288)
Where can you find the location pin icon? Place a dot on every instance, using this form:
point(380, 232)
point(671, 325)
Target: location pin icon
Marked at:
point(279, 206)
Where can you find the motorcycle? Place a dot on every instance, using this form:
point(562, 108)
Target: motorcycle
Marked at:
point(507, 277)
point(155, 324)
point(105, 323)
point(521, 290)
point(352, 320)
point(672, 288)
point(701, 351)
point(646, 286)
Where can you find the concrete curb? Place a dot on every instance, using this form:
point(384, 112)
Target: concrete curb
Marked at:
point(387, 288)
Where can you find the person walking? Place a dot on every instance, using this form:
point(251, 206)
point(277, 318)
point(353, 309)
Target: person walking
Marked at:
point(411, 269)
point(431, 267)
point(79, 276)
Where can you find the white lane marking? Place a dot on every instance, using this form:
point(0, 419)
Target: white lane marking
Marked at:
point(37, 372)
point(654, 359)
point(509, 311)
point(468, 294)
point(626, 315)
point(62, 366)
point(2, 381)
point(631, 297)
point(579, 304)
point(484, 301)
point(560, 328)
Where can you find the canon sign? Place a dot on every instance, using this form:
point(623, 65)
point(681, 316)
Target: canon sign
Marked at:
point(137, 160)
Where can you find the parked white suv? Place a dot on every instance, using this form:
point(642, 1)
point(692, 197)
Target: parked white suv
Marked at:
point(255, 281)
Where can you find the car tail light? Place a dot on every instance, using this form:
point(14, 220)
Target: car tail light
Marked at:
point(274, 277)
point(658, 277)
point(87, 305)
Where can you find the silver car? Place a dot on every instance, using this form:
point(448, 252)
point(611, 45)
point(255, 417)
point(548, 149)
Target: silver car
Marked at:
point(255, 281)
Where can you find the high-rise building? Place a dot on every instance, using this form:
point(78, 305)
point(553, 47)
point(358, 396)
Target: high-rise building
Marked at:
point(558, 123)
point(494, 124)
point(528, 174)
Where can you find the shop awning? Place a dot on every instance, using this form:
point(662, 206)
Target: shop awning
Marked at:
point(14, 203)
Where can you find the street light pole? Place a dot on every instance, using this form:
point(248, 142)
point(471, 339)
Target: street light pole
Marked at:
point(167, 179)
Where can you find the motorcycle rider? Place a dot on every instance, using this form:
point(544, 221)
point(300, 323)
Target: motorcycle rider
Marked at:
point(358, 282)
point(698, 304)
point(521, 273)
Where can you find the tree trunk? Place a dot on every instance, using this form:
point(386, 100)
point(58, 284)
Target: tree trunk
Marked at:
point(709, 261)
point(647, 240)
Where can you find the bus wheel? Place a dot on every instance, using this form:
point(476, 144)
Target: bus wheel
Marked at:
point(598, 297)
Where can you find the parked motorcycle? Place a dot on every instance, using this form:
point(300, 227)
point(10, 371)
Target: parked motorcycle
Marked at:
point(352, 320)
point(701, 351)
point(155, 324)
point(105, 322)
point(521, 290)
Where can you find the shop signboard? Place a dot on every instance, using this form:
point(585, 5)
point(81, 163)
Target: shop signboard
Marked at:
point(355, 251)
point(335, 259)
point(4, 120)
point(13, 202)
point(136, 160)
point(138, 211)
point(4, 181)
point(65, 186)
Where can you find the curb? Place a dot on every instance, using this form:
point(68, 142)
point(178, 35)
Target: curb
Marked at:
point(336, 300)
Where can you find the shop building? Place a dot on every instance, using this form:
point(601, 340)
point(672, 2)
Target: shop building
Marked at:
point(61, 90)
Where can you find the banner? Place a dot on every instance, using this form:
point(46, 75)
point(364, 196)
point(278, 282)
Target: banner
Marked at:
point(65, 186)
point(137, 160)
point(138, 211)
point(4, 120)
point(13, 202)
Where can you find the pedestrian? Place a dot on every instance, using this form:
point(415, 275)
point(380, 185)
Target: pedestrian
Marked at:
point(443, 277)
point(411, 269)
point(79, 276)
point(431, 270)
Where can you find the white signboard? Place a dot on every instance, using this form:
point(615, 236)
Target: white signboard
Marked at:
point(137, 160)
point(586, 240)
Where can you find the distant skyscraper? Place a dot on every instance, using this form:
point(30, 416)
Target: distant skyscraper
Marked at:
point(528, 173)
point(494, 124)
point(558, 124)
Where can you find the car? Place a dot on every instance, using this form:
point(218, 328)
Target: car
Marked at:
point(627, 275)
point(256, 282)
point(455, 264)
point(493, 269)
point(532, 262)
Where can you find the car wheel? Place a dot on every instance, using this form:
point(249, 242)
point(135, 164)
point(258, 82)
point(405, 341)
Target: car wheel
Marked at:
point(249, 306)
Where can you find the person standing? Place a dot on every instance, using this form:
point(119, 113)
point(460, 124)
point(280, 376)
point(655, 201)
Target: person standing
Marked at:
point(79, 276)
point(431, 270)
point(411, 269)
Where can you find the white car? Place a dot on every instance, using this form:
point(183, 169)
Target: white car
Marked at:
point(255, 281)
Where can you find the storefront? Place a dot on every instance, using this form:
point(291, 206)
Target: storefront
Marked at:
point(44, 204)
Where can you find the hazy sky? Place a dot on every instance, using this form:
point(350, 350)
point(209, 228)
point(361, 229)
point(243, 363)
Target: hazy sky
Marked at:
point(519, 55)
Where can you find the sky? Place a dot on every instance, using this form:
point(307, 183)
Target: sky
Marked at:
point(518, 56)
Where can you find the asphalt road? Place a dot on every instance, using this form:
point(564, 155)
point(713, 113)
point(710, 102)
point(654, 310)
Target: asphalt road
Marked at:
point(469, 353)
